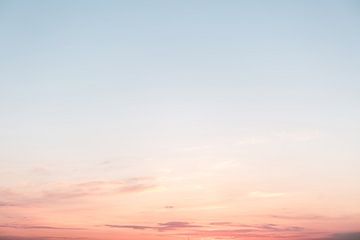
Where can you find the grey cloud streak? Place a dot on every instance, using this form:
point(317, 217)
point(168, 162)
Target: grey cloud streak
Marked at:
point(16, 226)
point(219, 229)
point(344, 236)
point(168, 226)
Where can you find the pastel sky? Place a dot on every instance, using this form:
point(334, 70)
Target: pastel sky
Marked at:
point(177, 120)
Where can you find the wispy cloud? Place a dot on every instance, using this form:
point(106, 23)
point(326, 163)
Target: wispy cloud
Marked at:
point(220, 229)
point(298, 217)
point(62, 192)
point(312, 217)
point(21, 238)
point(228, 230)
point(7, 204)
point(168, 226)
point(10, 198)
point(344, 236)
point(37, 227)
point(131, 185)
point(9, 237)
point(135, 227)
point(176, 225)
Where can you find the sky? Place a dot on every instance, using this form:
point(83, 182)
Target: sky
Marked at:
point(177, 120)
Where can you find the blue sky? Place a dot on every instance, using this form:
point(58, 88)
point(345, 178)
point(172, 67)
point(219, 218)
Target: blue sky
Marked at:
point(168, 69)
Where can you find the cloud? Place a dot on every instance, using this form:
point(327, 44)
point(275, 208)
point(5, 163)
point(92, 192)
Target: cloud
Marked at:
point(301, 217)
point(177, 225)
point(37, 227)
point(135, 227)
point(168, 226)
point(131, 185)
point(228, 230)
point(21, 238)
point(277, 228)
point(7, 204)
point(136, 188)
point(10, 198)
point(221, 229)
point(8, 237)
point(313, 217)
point(245, 233)
point(344, 236)
point(63, 192)
point(261, 227)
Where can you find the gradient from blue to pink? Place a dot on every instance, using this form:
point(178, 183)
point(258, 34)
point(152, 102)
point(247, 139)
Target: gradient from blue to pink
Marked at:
point(175, 119)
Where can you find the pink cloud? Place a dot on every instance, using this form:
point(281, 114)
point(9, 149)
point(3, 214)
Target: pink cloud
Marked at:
point(63, 192)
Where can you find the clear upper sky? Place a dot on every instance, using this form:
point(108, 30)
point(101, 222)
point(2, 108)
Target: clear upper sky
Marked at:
point(185, 112)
